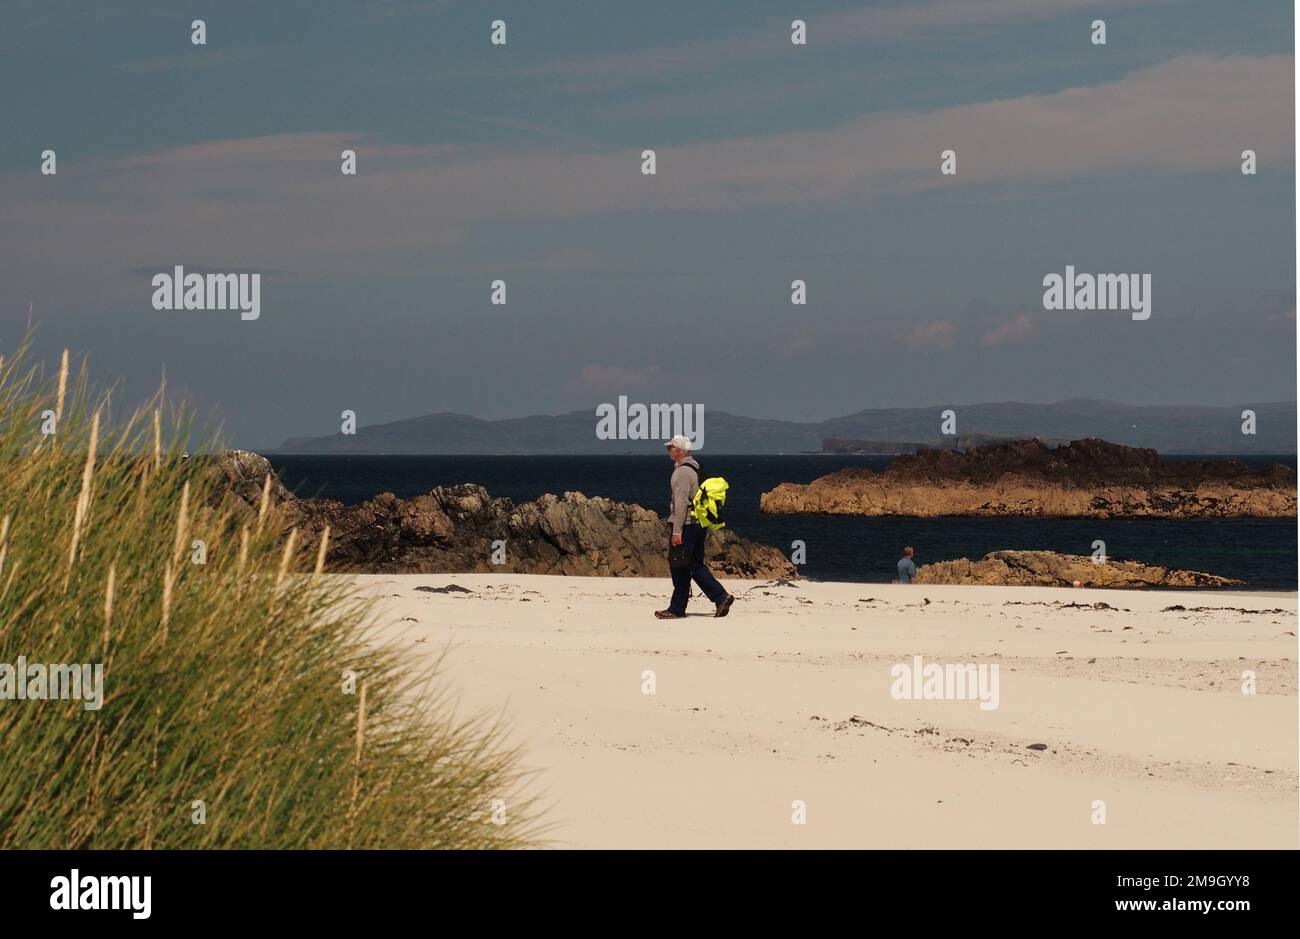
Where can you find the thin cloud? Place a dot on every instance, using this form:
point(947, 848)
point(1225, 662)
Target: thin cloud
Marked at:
point(278, 201)
point(930, 336)
point(541, 130)
point(1021, 329)
point(390, 9)
point(970, 20)
point(615, 378)
point(796, 347)
point(187, 61)
point(148, 270)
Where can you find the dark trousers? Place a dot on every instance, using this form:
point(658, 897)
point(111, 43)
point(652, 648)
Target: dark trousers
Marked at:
point(693, 539)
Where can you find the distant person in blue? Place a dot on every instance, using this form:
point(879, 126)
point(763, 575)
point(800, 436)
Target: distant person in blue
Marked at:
point(906, 569)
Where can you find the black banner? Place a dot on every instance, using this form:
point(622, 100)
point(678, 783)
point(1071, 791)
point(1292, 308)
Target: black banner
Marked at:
point(145, 890)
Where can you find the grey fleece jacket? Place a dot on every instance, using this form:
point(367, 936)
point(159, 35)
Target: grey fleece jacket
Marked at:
point(685, 480)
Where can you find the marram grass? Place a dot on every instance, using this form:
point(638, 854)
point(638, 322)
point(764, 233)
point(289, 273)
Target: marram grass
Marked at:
point(224, 692)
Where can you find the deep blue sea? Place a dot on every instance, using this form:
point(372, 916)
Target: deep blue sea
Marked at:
point(1260, 551)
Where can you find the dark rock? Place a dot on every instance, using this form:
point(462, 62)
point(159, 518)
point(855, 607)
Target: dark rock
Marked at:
point(244, 474)
point(452, 529)
point(1049, 569)
point(1085, 478)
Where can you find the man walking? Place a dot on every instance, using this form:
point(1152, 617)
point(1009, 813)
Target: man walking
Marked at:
point(688, 532)
point(906, 568)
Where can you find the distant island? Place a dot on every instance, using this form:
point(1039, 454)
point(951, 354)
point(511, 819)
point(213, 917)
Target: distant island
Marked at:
point(1088, 478)
point(963, 442)
point(1167, 429)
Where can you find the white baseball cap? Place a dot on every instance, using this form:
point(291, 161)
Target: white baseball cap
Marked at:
point(680, 442)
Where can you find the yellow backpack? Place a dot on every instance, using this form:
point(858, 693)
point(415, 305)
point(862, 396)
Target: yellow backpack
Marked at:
point(709, 498)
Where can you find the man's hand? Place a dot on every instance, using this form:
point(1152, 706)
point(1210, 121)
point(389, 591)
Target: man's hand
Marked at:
point(677, 538)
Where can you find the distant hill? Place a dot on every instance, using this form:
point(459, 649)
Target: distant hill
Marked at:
point(1210, 430)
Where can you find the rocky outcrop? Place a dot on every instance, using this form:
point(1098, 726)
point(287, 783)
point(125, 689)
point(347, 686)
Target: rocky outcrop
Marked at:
point(455, 529)
point(244, 473)
point(1086, 478)
point(1049, 569)
point(893, 447)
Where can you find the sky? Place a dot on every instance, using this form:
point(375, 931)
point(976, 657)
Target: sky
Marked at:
point(775, 162)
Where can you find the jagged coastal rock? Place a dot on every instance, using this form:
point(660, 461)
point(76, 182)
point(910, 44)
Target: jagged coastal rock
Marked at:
point(1049, 569)
point(1087, 478)
point(452, 530)
point(245, 474)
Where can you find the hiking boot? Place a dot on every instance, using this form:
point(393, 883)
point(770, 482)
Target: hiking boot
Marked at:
point(725, 606)
point(668, 614)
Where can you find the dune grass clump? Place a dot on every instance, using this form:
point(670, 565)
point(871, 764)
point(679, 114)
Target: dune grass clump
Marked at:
point(241, 705)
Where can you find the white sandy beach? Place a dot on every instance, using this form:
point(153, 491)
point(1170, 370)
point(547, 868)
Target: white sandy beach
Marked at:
point(789, 698)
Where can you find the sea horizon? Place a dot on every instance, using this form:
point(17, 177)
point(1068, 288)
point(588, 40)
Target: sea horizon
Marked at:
point(1260, 551)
